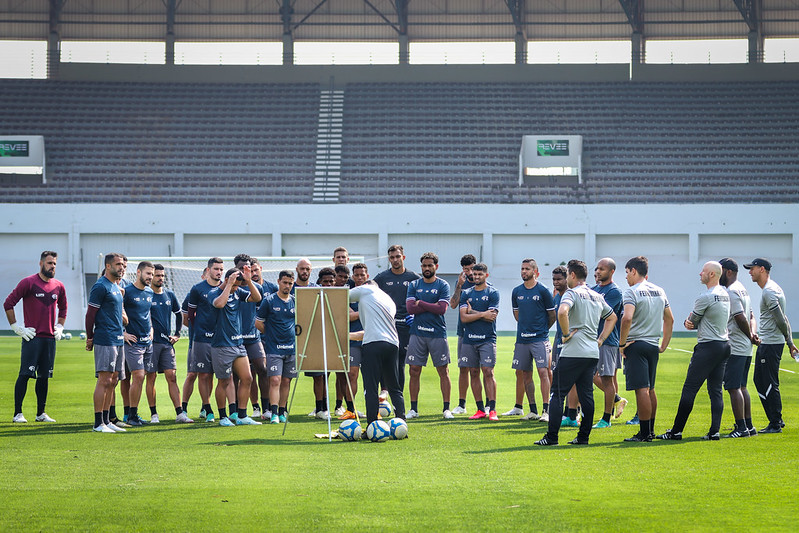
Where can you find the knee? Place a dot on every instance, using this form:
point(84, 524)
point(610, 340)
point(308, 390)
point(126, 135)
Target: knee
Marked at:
point(415, 371)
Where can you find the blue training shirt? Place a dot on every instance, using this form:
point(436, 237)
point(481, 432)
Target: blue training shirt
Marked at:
point(228, 319)
point(137, 303)
point(558, 333)
point(355, 325)
point(205, 312)
point(466, 285)
point(106, 296)
point(164, 307)
point(480, 331)
point(278, 319)
point(533, 306)
point(428, 324)
point(248, 309)
point(612, 295)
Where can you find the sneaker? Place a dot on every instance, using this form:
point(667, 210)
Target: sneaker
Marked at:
point(226, 422)
point(448, 414)
point(347, 415)
point(210, 417)
point(771, 429)
point(274, 420)
point(752, 432)
point(668, 435)
point(323, 415)
point(411, 414)
point(478, 415)
point(544, 417)
point(125, 418)
point(256, 412)
point(639, 438)
point(578, 442)
point(266, 415)
point(282, 419)
point(135, 421)
point(492, 415)
point(620, 405)
point(203, 414)
point(738, 433)
point(154, 419)
point(360, 414)
point(531, 416)
point(514, 412)
point(714, 436)
point(247, 421)
point(183, 418)
point(116, 428)
point(102, 428)
point(569, 423)
point(459, 410)
point(119, 423)
point(546, 442)
point(383, 396)
point(601, 424)
point(339, 411)
point(44, 418)
point(234, 416)
point(633, 421)
point(312, 414)
point(19, 419)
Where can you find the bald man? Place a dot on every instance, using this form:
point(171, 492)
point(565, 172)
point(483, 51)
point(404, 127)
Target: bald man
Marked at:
point(709, 318)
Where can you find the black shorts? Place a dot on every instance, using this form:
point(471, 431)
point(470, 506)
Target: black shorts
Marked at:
point(38, 357)
point(736, 374)
point(642, 364)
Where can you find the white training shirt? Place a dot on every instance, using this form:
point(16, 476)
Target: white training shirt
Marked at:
point(376, 310)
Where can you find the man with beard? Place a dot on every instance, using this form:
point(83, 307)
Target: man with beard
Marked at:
point(136, 302)
point(464, 282)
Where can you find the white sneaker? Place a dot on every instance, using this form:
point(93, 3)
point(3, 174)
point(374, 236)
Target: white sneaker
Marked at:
point(19, 418)
point(154, 419)
point(256, 413)
point(459, 411)
point(339, 411)
point(515, 412)
point(102, 428)
point(115, 429)
point(312, 414)
point(448, 414)
point(360, 414)
point(620, 405)
point(544, 417)
point(183, 418)
point(267, 415)
point(323, 415)
point(44, 418)
point(531, 416)
point(383, 396)
point(411, 414)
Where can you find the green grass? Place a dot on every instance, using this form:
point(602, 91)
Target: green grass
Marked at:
point(449, 475)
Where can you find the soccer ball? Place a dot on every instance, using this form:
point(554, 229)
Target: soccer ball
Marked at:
point(68, 336)
point(350, 430)
point(83, 335)
point(385, 409)
point(378, 431)
point(399, 429)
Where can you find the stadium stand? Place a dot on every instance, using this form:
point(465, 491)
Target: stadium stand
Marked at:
point(644, 142)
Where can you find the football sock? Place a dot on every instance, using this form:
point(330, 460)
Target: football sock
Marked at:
point(320, 405)
point(338, 403)
point(178, 410)
point(256, 405)
point(546, 407)
point(265, 402)
point(242, 413)
point(480, 405)
point(415, 406)
point(282, 411)
point(517, 406)
point(274, 410)
point(153, 410)
point(105, 418)
point(98, 419)
point(234, 407)
point(652, 425)
point(222, 412)
point(644, 426)
point(134, 412)
point(185, 406)
point(446, 406)
point(126, 410)
point(749, 423)
point(617, 399)
point(741, 424)
point(534, 408)
point(606, 417)
point(492, 405)
point(207, 409)
point(113, 411)
point(462, 403)
point(41, 394)
point(350, 406)
point(572, 414)
point(20, 387)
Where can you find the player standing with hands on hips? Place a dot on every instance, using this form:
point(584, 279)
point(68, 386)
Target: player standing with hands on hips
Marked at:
point(41, 294)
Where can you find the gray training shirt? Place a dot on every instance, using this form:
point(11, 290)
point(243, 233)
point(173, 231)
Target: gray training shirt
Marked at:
point(771, 298)
point(650, 302)
point(740, 344)
point(710, 315)
point(586, 308)
point(376, 310)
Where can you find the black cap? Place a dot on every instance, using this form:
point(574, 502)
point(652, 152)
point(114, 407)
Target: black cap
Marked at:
point(759, 262)
point(729, 263)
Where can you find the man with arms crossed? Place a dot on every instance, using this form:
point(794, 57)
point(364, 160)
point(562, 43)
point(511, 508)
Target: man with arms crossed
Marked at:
point(534, 311)
point(646, 317)
point(740, 328)
point(105, 335)
point(41, 294)
point(427, 300)
point(774, 334)
point(478, 313)
point(579, 314)
point(137, 302)
point(464, 282)
point(709, 317)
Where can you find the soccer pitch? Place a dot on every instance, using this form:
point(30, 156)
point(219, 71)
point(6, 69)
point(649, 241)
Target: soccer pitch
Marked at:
point(449, 475)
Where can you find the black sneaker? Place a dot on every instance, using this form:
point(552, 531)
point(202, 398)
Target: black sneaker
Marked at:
point(752, 431)
point(546, 442)
point(771, 429)
point(638, 437)
point(738, 433)
point(579, 442)
point(714, 436)
point(669, 435)
point(136, 421)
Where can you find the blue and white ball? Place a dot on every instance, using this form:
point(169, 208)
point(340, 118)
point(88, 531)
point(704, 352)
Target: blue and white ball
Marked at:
point(350, 430)
point(398, 428)
point(378, 431)
point(385, 409)
point(83, 335)
point(68, 336)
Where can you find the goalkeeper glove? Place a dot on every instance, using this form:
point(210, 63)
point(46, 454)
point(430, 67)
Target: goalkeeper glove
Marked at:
point(26, 333)
point(58, 332)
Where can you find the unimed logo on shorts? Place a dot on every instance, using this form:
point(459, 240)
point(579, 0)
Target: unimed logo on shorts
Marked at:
point(13, 148)
point(550, 147)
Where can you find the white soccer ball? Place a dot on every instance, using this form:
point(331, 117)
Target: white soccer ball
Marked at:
point(83, 335)
point(68, 336)
point(378, 431)
point(385, 409)
point(350, 430)
point(398, 428)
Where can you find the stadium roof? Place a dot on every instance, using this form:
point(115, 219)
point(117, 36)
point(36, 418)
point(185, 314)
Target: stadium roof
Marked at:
point(386, 20)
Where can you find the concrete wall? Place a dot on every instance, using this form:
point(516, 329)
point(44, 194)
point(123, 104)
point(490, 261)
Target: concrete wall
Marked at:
point(678, 239)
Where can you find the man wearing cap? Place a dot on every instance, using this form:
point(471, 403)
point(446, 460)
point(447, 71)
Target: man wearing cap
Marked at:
point(740, 327)
point(775, 332)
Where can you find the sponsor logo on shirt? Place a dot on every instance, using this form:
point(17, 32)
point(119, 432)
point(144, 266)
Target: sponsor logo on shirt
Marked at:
point(475, 336)
point(54, 296)
point(422, 328)
point(39, 295)
point(285, 346)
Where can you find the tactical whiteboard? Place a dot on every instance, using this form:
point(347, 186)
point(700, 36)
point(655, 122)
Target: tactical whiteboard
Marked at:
point(311, 304)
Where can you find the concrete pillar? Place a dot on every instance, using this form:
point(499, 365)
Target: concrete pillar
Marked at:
point(755, 47)
point(288, 49)
point(277, 244)
point(521, 49)
point(404, 50)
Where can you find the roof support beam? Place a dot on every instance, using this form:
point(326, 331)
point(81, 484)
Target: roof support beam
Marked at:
point(401, 6)
point(517, 11)
point(634, 9)
point(171, 9)
point(54, 38)
point(752, 11)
